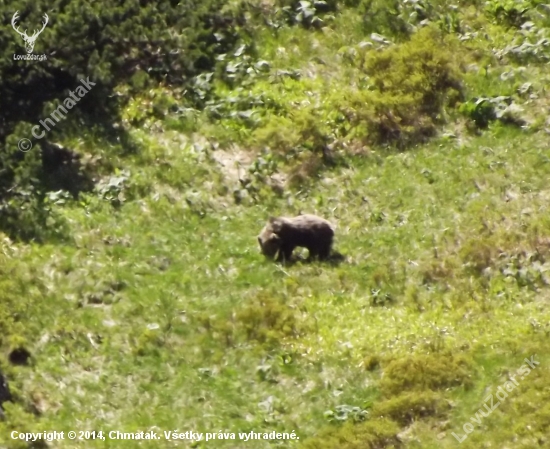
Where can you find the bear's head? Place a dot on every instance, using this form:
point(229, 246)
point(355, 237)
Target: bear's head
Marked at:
point(269, 240)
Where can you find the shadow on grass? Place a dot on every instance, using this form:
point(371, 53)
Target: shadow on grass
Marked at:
point(334, 259)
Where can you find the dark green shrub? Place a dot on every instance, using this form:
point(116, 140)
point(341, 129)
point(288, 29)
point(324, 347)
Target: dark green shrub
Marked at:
point(24, 211)
point(480, 111)
point(129, 43)
point(412, 406)
point(425, 372)
point(484, 110)
point(372, 434)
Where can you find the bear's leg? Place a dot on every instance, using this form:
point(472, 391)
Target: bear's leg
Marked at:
point(313, 253)
point(324, 252)
point(285, 252)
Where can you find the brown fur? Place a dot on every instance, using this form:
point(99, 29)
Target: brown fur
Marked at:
point(281, 235)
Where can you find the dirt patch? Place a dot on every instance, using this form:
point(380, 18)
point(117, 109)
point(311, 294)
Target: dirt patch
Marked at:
point(234, 162)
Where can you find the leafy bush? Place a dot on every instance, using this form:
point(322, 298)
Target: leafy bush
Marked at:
point(346, 412)
point(304, 140)
point(505, 258)
point(304, 12)
point(268, 320)
point(385, 17)
point(265, 319)
point(409, 86)
point(402, 18)
point(484, 110)
point(511, 13)
point(531, 45)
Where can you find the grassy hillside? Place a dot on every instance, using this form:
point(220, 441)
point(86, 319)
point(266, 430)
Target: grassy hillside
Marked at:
point(419, 129)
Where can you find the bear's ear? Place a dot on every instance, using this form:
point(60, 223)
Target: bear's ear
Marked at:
point(276, 224)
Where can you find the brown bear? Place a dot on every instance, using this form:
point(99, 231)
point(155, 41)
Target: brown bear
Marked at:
point(281, 235)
